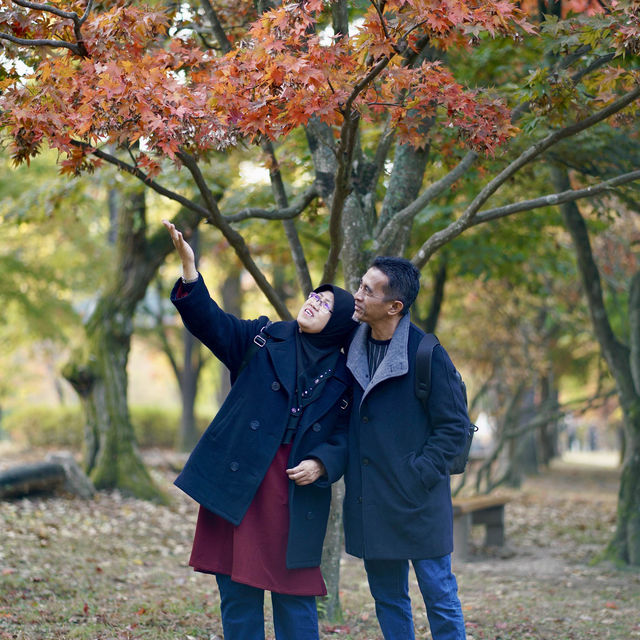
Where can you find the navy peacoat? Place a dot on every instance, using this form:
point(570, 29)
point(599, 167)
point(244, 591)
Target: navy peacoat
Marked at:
point(397, 501)
point(230, 460)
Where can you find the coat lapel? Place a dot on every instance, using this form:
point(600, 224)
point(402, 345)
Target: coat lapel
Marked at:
point(357, 361)
point(282, 351)
point(395, 363)
point(334, 388)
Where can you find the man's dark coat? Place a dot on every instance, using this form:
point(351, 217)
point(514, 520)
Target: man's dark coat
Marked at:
point(398, 499)
point(230, 461)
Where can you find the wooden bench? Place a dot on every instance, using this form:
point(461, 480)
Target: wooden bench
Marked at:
point(485, 510)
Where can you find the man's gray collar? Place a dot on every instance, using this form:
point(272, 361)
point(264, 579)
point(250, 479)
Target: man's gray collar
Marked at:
point(395, 362)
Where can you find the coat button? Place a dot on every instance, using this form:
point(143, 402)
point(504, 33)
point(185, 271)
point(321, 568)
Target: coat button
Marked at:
point(316, 427)
point(365, 419)
point(234, 466)
point(309, 515)
point(365, 461)
point(254, 424)
point(275, 385)
point(360, 499)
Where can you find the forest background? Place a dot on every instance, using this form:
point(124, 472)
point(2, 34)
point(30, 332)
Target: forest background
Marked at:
point(493, 143)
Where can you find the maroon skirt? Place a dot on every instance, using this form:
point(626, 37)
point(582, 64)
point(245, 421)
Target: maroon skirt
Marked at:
point(254, 552)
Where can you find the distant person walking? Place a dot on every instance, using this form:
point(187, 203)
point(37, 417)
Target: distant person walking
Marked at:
point(262, 471)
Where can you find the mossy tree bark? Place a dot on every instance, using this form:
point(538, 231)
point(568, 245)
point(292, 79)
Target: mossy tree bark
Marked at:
point(624, 363)
point(99, 372)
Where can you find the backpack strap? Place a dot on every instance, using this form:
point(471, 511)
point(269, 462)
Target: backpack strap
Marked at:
point(258, 342)
point(422, 380)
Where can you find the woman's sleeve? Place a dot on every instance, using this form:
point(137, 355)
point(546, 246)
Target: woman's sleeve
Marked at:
point(225, 335)
point(333, 452)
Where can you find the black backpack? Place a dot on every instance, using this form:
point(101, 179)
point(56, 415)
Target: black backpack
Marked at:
point(422, 387)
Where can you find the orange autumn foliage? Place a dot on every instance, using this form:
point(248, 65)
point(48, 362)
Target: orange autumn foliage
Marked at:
point(143, 80)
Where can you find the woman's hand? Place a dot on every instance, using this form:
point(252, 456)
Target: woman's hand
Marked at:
point(189, 271)
point(306, 472)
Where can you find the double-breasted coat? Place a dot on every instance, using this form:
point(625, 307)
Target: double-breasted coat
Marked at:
point(230, 460)
point(398, 499)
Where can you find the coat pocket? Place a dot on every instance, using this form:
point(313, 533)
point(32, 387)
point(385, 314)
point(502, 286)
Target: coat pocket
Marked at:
point(415, 488)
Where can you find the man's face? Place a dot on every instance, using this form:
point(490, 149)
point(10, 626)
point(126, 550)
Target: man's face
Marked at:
point(371, 302)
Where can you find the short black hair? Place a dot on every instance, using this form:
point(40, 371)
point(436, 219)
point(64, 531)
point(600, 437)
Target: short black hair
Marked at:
point(403, 279)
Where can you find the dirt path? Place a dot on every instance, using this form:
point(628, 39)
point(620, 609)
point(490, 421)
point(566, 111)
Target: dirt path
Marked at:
point(115, 568)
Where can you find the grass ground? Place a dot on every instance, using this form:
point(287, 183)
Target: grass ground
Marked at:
point(115, 568)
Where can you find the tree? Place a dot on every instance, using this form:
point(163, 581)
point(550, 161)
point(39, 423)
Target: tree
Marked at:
point(622, 360)
point(368, 98)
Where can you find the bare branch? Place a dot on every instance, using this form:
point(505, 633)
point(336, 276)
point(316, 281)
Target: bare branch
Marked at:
point(466, 220)
point(344, 155)
point(556, 198)
point(365, 82)
point(77, 47)
point(383, 22)
point(26, 42)
point(382, 149)
point(383, 236)
point(285, 213)
point(77, 20)
point(215, 218)
point(143, 177)
point(85, 15)
point(38, 6)
point(216, 26)
point(596, 64)
point(280, 195)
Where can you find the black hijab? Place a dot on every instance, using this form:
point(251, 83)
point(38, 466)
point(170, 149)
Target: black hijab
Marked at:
point(317, 353)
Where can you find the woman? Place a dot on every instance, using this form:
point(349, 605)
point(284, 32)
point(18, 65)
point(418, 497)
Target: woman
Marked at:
point(262, 471)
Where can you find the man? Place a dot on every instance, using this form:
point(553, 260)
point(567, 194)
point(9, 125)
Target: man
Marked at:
point(397, 504)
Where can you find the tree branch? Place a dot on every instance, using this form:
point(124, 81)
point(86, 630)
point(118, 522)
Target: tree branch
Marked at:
point(216, 26)
point(286, 213)
point(454, 229)
point(366, 81)
point(280, 195)
point(615, 352)
point(215, 218)
point(58, 44)
point(77, 47)
point(142, 176)
point(348, 137)
point(385, 235)
point(554, 199)
point(38, 6)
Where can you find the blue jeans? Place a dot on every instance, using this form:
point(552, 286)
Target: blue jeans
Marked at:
point(241, 608)
point(389, 585)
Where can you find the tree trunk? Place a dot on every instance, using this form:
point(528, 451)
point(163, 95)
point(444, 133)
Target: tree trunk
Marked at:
point(624, 364)
point(111, 456)
point(99, 373)
point(548, 432)
point(624, 548)
point(404, 186)
point(331, 554)
point(189, 374)
point(189, 377)
point(231, 294)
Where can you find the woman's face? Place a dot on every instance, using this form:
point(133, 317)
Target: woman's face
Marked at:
point(315, 312)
